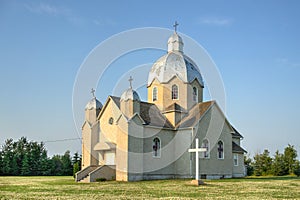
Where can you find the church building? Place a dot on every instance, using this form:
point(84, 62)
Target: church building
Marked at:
point(127, 139)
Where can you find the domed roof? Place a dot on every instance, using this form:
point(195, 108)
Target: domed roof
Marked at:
point(93, 104)
point(130, 94)
point(175, 63)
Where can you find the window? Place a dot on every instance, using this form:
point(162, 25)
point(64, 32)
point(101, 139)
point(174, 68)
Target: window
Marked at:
point(220, 150)
point(156, 147)
point(195, 94)
point(205, 144)
point(154, 94)
point(174, 92)
point(111, 121)
point(235, 160)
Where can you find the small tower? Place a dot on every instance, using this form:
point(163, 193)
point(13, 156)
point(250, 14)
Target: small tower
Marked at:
point(130, 101)
point(90, 132)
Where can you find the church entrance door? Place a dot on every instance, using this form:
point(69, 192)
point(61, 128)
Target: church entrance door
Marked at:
point(110, 158)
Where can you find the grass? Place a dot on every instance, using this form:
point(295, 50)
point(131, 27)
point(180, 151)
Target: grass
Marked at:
point(65, 188)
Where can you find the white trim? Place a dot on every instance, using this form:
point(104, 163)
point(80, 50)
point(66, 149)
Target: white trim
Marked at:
point(237, 159)
point(155, 87)
point(208, 149)
point(196, 99)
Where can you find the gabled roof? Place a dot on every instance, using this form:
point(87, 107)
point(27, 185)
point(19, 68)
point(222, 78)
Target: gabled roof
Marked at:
point(194, 115)
point(236, 133)
point(174, 107)
point(237, 148)
point(150, 113)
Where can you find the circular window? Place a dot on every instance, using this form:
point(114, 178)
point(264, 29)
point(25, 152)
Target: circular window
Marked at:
point(111, 121)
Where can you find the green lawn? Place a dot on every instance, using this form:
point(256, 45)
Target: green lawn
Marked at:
point(66, 188)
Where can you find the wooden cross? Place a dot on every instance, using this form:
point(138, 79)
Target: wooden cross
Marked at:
point(130, 81)
point(93, 92)
point(175, 26)
point(197, 150)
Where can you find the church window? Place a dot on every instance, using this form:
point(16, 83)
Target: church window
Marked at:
point(174, 92)
point(154, 94)
point(195, 94)
point(205, 144)
point(220, 150)
point(156, 147)
point(235, 160)
point(111, 121)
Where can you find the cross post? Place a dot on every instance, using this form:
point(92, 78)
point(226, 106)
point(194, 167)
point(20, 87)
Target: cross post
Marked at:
point(130, 81)
point(93, 92)
point(175, 26)
point(197, 150)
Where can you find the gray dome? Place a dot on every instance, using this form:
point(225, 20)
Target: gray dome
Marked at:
point(93, 104)
point(173, 64)
point(130, 94)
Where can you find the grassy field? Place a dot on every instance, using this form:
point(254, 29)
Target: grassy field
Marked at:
point(66, 188)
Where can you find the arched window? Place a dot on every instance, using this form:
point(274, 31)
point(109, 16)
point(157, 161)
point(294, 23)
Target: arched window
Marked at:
point(195, 94)
point(205, 144)
point(220, 150)
point(156, 147)
point(174, 92)
point(154, 94)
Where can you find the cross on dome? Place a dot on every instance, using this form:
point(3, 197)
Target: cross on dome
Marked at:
point(93, 92)
point(175, 26)
point(130, 81)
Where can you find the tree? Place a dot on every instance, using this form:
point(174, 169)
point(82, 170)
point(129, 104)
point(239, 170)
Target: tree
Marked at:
point(76, 161)
point(25, 170)
point(290, 155)
point(67, 167)
point(248, 165)
point(297, 168)
point(262, 163)
point(278, 165)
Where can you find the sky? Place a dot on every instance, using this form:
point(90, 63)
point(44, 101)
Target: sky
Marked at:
point(254, 44)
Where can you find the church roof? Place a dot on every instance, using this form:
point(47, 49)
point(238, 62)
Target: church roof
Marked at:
point(236, 133)
point(193, 116)
point(237, 148)
point(149, 113)
point(175, 63)
point(93, 103)
point(174, 107)
point(130, 94)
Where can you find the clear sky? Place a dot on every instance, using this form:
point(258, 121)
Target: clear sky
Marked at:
point(255, 45)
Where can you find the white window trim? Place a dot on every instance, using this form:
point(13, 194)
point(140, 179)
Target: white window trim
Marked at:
point(195, 100)
point(208, 151)
point(237, 159)
point(218, 150)
point(159, 154)
point(153, 93)
point(172, 92)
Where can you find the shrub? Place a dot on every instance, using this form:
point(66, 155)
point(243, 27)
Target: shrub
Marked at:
point(100, 179)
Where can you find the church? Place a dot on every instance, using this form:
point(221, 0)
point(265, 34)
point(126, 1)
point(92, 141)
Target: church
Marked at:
point(126, 139)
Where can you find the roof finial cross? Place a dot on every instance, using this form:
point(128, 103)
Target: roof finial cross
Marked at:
point(130, 81)
point(175, 26)
point(93, 92)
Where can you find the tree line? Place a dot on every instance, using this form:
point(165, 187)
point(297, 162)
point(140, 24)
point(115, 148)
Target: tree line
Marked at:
point(29, 158)
point(279, 165)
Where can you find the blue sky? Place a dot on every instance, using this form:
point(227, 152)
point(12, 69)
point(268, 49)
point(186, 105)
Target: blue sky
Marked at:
point(255, 45)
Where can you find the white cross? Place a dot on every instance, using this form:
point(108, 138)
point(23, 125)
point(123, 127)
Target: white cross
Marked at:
point(197, 150)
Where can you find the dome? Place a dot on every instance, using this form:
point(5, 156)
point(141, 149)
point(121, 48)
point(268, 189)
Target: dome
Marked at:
point(174, 64)
point(130, 94)
point(93, 103)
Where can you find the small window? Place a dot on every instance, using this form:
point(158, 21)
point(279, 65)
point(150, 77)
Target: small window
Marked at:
point(111, 121)
point(205, 144)
point(174, 92)
point(156, 147)
point(195, 94)
point(235, 160)
point(154, 94)
point(220, 150)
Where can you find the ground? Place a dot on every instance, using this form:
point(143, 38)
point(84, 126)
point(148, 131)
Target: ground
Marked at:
point(66, 188)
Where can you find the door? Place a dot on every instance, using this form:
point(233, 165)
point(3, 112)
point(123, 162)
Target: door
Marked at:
point(110, 158)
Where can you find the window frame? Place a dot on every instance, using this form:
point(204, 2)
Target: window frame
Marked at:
point(218, 155)
point(156, 94)
point(195, 96)
point(172, 92)
point(235, 158)
point(206, 154)
point(158, 149)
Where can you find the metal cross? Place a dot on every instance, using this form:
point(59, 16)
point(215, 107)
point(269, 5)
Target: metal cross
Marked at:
point(175, 26)
point(197, 150)
point(130, 81)
point(93, 92)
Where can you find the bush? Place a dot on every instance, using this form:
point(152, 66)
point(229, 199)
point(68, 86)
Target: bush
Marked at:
point(297, 169)
point(100, 179)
